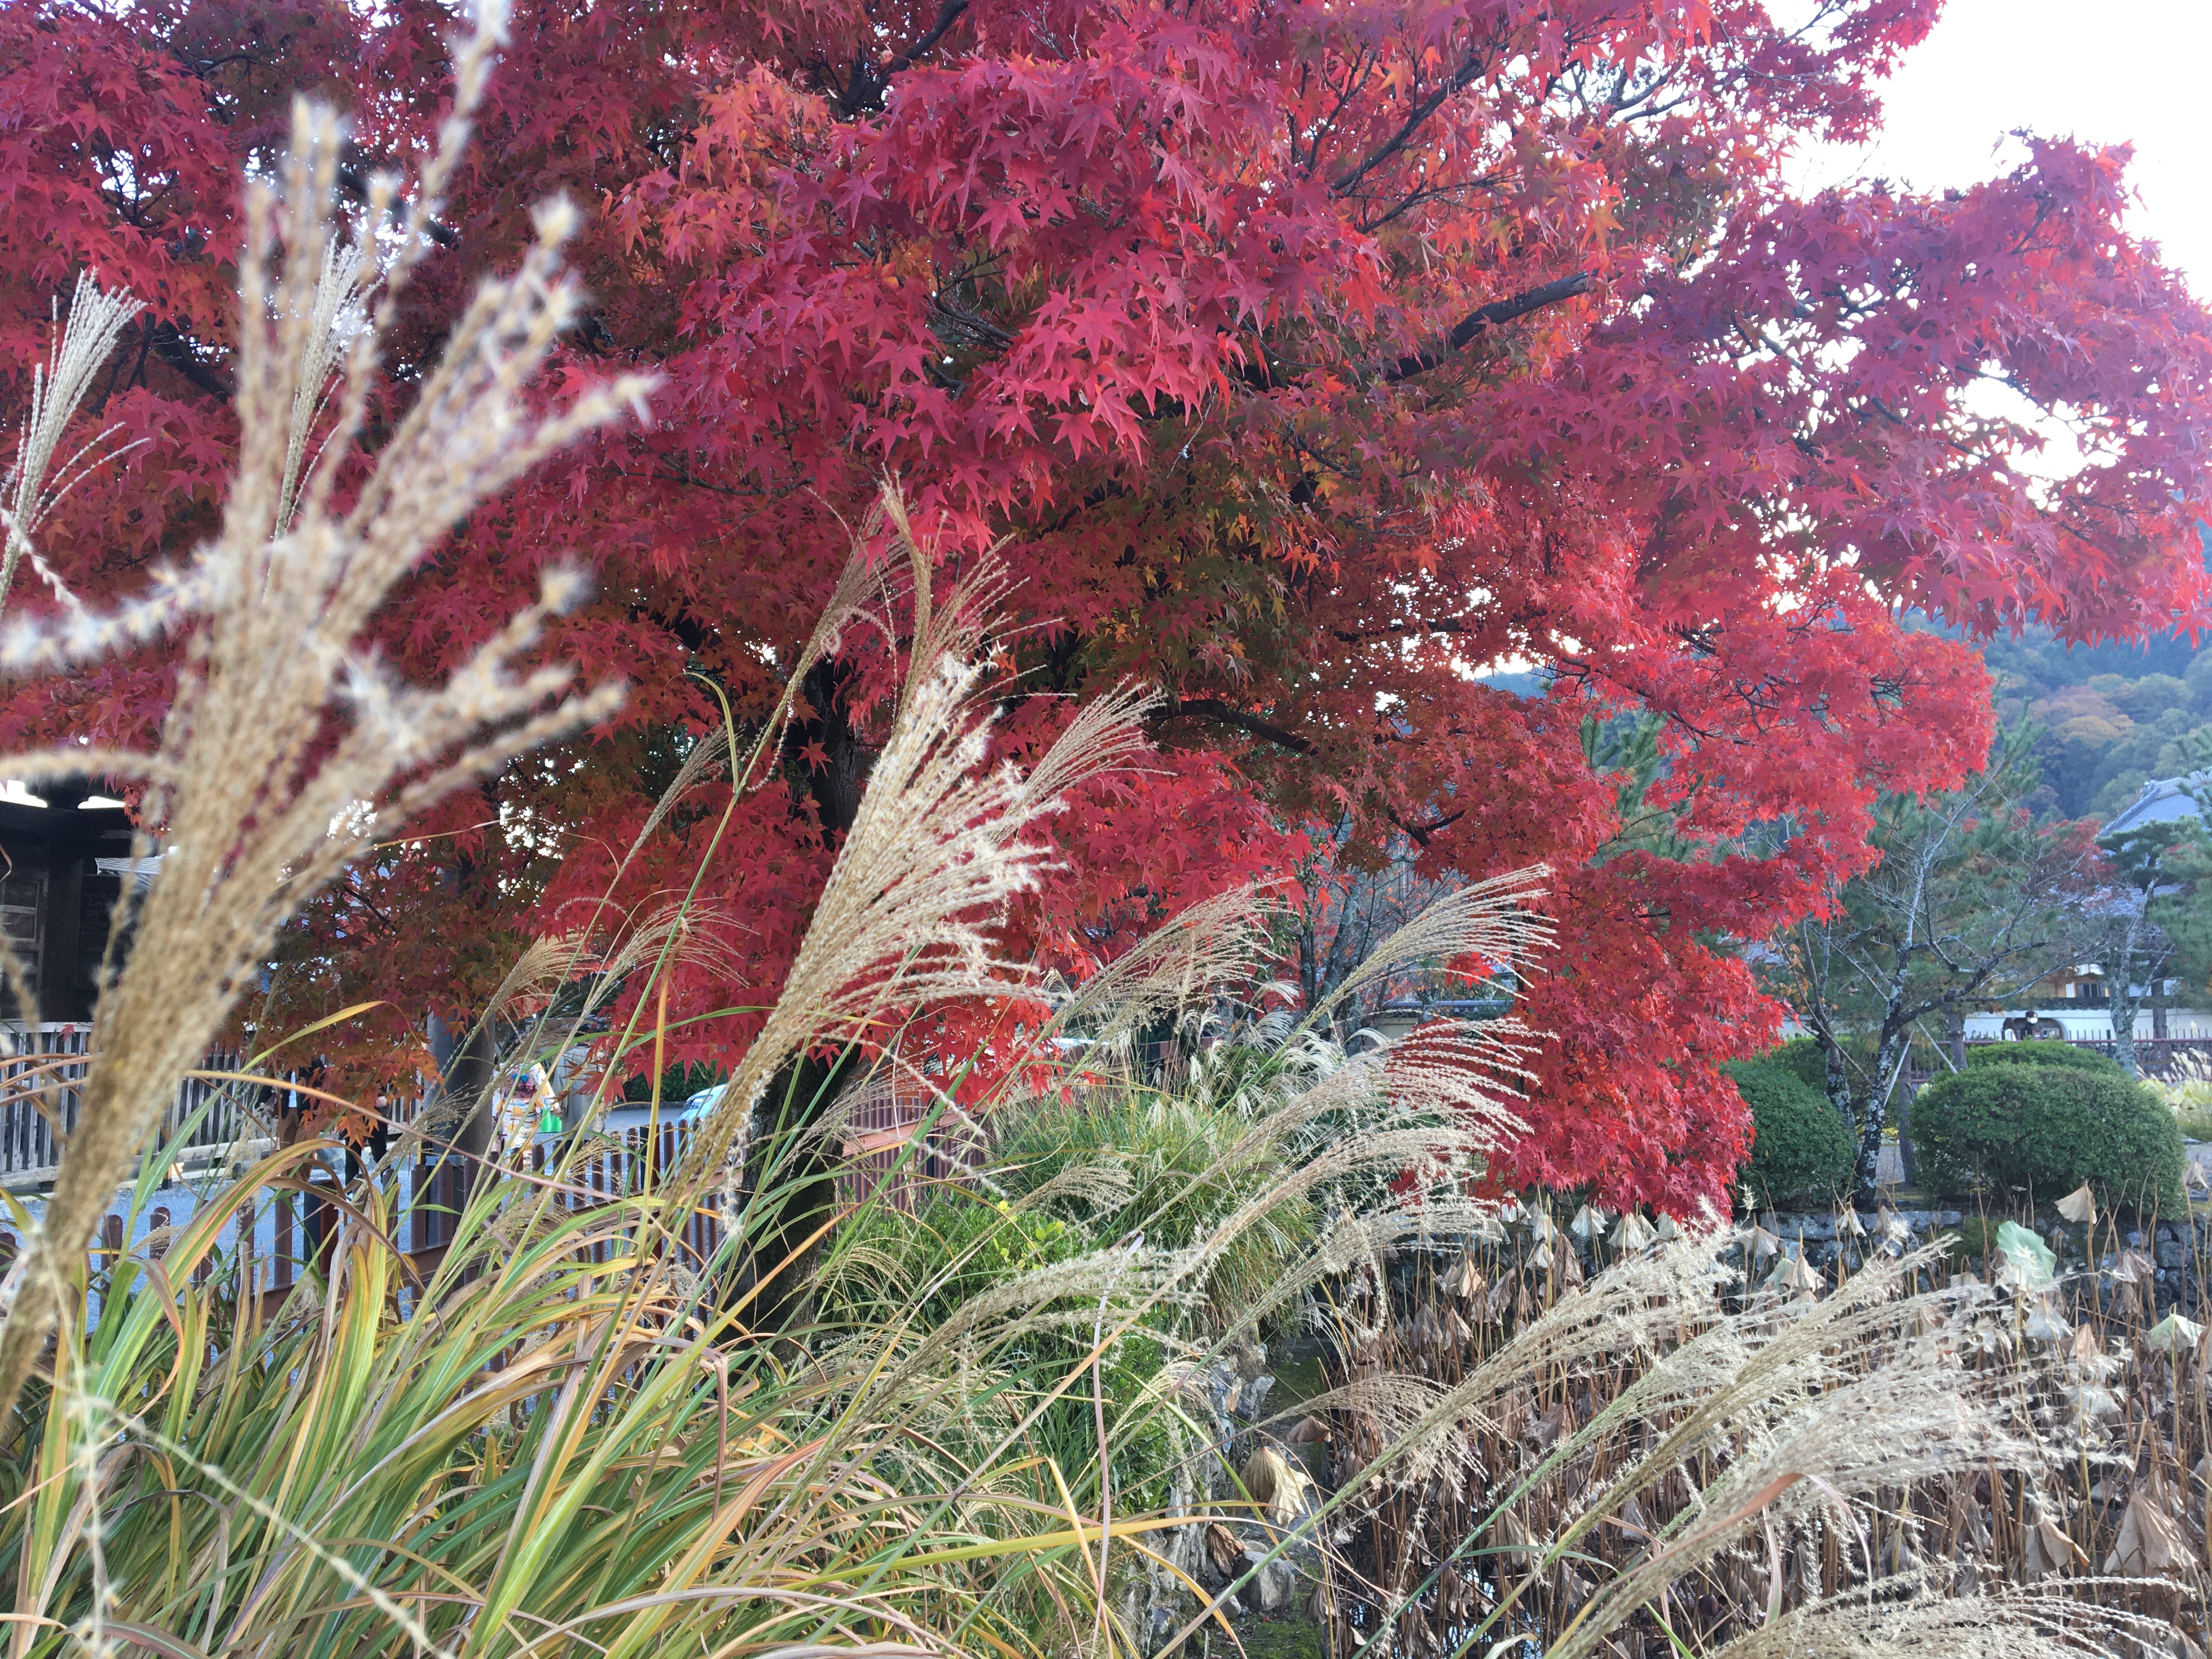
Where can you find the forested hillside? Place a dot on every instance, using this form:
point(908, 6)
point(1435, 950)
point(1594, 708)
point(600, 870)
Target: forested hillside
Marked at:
point(2113, 716)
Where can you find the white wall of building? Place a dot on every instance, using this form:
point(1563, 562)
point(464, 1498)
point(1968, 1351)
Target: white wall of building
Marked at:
point(2091, 1024)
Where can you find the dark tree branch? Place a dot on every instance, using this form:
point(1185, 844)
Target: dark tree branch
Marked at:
point(1345, 183)
point(1399, 630)
point(354, 185)
point(947, 16)
point(1213, 709)
point(1421, 832)
point(172, 349)
point(864, 89)
point(1497, 312)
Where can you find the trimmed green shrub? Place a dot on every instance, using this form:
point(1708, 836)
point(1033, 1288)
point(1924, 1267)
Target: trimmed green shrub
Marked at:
point(2049, 1128)
point(2043, 1051)
point(1801, 1150)
point(1801, 1057)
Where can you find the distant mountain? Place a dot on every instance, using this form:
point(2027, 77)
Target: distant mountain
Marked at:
point(1531, 683)
point(2113, 716)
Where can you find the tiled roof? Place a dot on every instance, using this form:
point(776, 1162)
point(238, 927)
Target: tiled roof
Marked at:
point(2163, 800)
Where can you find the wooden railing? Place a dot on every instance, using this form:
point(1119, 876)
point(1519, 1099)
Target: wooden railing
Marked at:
point(42, 1071)
point(280, 1234)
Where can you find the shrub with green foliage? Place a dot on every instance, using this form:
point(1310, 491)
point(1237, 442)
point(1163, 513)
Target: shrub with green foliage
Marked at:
point(1801, 1150)
point(2049, 1128)
point(1801, 1057)
point(1173, 1167)
point(2043, 1051)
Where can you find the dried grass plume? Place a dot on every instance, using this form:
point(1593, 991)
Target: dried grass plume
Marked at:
point(289, 745)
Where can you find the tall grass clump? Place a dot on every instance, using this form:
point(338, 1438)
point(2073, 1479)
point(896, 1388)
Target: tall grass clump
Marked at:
point(2187, 1090)
point(997, 1424)
point(288, 746)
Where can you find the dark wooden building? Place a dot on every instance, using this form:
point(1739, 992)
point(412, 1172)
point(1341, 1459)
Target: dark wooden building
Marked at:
point(62, 870)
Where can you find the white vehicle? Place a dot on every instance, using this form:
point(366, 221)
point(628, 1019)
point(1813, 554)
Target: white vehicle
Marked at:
point(625, 1115)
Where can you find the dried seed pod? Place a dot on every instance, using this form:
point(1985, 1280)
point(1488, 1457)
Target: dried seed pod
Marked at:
point(1794, 1273)
point(1553, 1426)
point(2150, 1545)
point(2046, 1324)
point(2132, 1267)
point(1508, 1539)
point(2093, 1400)
point(1635, 1525)
point(2048, 1549)
point(1465, 1280)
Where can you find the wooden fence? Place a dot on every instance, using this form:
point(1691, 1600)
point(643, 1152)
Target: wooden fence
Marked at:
point(41, 1074)
point(280, 1234)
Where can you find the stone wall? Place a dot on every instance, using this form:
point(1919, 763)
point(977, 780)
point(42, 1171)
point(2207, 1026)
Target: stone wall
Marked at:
point(2169, 1257)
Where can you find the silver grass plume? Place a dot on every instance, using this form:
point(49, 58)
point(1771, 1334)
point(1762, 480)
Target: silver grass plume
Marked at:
point(1817, 1406)
point(1489, 918)
point(1217, 941)
point(284, 728)
point(941, 841)
point(96, 320)
point(1800, 1407)
point(1886, 1621)
point(338, 314)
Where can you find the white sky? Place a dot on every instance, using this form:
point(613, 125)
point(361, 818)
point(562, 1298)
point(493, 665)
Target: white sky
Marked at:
point(2104, 71)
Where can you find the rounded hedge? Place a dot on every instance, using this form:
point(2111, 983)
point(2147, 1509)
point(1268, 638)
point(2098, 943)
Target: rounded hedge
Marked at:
point(2049, 1128)
point(1801, 1150)
point(2044, 1051)
point(1801, 1058)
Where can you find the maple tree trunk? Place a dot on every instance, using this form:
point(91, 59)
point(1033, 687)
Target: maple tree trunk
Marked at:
point(1905, 1154)
point(790, 1194)
point(469, 1082)
point(1837, 1083)
point(834, 782)
point(790, 1177)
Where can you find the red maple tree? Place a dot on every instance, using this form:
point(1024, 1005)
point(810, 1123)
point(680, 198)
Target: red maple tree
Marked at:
point(1308, 359)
